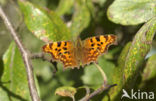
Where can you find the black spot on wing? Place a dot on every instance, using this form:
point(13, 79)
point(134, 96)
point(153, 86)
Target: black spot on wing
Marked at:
point(58, 44)
point(65, 43)
point(91, 40)
point(64, 48)
point(91, 48)
point(92, 45)
point(97, 39)
point(98, 44)
point(66, 52)
point(59, 50)
point(59, 53)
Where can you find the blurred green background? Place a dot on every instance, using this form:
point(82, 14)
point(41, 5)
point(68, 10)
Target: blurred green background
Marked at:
point(130, 64)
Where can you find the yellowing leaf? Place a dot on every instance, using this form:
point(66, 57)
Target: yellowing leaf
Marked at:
point(66, 91)
point(44, 24)
point(131, 12)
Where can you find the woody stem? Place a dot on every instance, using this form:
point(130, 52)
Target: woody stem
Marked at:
point(30, 76)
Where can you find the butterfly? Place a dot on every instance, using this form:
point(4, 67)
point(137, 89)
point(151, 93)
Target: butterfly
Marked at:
point(79, 53)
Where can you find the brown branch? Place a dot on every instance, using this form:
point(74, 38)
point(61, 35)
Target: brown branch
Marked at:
point(98, 91)
point(87, 94)
point(25, 56)
point(44, 58)
point(104, 87)
point(40, 56)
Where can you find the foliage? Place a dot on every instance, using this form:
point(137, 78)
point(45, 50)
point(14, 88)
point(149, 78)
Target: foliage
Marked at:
point(127, 64)
point(14, 79)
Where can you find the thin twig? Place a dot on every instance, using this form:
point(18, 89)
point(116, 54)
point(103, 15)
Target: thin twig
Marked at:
point(104, 87)
point(44, 58)
point(102, 73)
point(101, 89)
point(40, 56)
point(25, 56)
point(98, 91)
point(87, 94)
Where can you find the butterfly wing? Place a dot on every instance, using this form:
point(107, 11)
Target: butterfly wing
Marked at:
point(96, 46)
point(62, 51)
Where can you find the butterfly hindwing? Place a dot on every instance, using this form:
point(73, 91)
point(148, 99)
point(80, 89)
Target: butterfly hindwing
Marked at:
point(62, 51)
point(96, 46)
point(86, 51)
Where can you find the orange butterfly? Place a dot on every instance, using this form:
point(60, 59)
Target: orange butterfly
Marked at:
point(72, 54)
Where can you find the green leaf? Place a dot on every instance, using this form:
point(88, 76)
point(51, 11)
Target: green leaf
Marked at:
point(61, 78)
point(131, 12)
point(117, 74)
point(44, 24)
point(14, 85)
point(66, 91)
point(122, 57)
point(50, 81)
point(140, 47)
point(93, 77)
point(150, 69)
point(82, 16)
point(131, 58)
point(118, 71)
point(64, 6)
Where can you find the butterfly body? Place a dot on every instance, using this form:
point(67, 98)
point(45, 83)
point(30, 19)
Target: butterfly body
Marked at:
point(74, 54)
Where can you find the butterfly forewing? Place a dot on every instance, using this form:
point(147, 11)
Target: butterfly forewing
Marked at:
point(62, 51)
point(96, 46)
point(86, 51)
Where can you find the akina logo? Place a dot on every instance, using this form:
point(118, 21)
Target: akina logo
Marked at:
point(137, 94)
